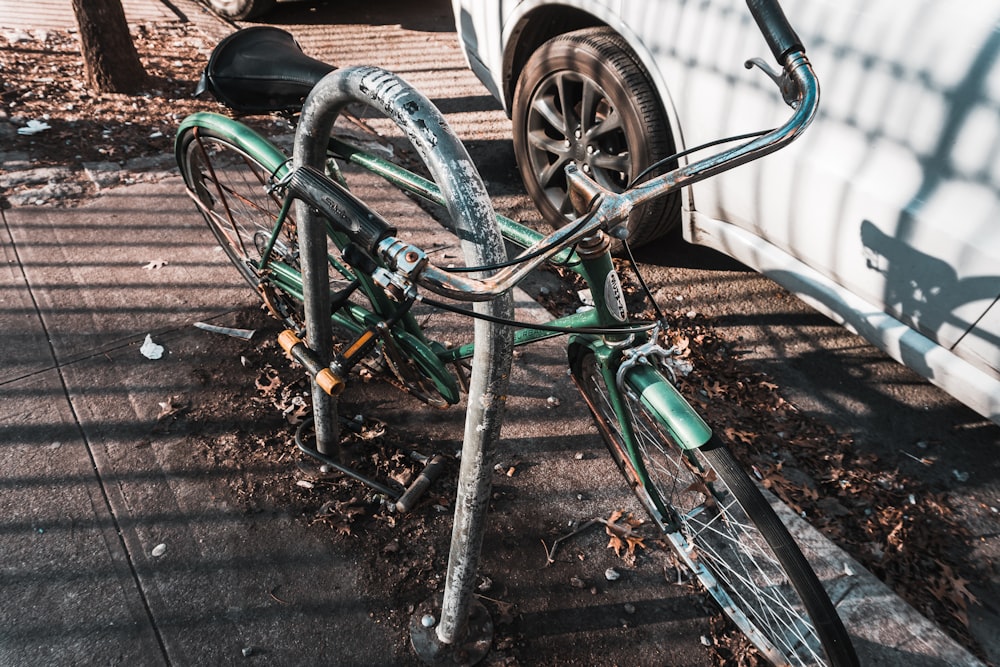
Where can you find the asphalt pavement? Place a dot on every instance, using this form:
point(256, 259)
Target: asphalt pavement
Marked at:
point(120, 546)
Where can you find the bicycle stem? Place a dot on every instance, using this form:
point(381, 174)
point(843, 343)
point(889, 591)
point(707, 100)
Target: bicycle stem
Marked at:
point(607, 210)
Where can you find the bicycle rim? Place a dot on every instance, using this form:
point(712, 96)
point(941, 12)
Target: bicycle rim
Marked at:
point(231, 189)
point(724, 530)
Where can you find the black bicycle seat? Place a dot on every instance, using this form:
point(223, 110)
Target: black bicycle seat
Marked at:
point(260, 70)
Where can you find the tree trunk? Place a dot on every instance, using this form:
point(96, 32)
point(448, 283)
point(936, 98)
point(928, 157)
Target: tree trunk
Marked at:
point(109, 56)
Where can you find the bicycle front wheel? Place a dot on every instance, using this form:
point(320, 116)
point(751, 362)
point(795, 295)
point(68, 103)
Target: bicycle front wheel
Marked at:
point(722, 527)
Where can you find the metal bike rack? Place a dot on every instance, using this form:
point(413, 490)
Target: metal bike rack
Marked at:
point(454, 630)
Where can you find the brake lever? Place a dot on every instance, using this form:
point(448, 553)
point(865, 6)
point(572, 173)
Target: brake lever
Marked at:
point(786, 84)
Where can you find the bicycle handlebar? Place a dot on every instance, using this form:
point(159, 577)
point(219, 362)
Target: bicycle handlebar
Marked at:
point(607, 209)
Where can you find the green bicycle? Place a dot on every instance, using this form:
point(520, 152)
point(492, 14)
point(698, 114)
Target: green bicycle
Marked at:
point(255, 198)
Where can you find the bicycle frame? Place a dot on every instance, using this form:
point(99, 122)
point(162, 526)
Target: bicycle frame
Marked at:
point(688, 429)
point(594, 267)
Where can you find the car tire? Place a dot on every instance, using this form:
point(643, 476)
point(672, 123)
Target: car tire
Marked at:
point(241, 9)
point(555, 79)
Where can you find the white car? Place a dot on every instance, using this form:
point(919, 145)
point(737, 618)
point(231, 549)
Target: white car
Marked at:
point(241, 9)
point(885, 215)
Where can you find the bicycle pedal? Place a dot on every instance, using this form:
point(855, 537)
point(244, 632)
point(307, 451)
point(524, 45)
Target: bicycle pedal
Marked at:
point(432, 470)
point(359, 348)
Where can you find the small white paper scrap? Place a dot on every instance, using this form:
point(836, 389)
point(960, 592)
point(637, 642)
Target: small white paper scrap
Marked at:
point(34, 127)
point(151, 350)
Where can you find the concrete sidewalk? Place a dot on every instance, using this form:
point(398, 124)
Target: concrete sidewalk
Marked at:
point(92, 492)
point(58, 14)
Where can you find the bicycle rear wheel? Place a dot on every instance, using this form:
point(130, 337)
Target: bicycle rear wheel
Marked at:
point(228, 171)
point(724, 530)
point(231, 188)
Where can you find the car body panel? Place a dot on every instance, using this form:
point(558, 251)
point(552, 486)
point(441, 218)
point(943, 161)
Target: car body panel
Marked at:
point(892, 195)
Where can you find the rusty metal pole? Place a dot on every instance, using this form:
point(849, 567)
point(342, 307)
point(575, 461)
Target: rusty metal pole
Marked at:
point(484, 416)
point(452, 631)
point(310, 149)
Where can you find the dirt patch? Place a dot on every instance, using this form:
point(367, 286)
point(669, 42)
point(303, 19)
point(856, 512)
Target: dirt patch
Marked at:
point(44, 88)
point(898, 526)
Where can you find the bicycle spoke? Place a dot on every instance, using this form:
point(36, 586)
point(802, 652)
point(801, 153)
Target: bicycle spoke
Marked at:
point(730, 547)
point(709, 527)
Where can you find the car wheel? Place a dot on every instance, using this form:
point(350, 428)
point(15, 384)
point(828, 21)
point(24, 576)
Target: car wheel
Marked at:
point(584, 98)
point(241, 9)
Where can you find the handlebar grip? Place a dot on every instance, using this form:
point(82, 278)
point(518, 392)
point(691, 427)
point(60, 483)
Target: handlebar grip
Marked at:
point(777, 31)
point(348, 214)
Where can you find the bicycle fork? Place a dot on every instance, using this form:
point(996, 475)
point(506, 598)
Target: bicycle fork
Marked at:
point(630, 370)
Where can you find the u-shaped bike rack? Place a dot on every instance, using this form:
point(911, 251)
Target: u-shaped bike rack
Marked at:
point(454, 630)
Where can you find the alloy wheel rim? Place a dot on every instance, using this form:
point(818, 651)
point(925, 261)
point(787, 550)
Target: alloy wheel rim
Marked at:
point(572, 120)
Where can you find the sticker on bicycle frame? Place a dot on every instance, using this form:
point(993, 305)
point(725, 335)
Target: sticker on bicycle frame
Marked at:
point(614, 297)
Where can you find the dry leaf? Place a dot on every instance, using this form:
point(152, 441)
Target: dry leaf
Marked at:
point(169, 408)
point(620, 528)
point(373, 429)
point(297, 411)
point(745, 437)
point(268, 383)
point(402, 476)
point(505, 612)
point(341, 514)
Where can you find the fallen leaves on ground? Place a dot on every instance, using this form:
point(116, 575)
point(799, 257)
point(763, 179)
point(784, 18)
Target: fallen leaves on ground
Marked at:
point(341, 514)
point(45, 79)
point(621, 528)
point(896, 525)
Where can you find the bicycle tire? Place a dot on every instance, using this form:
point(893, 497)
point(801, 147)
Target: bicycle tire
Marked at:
point(230, 185)
point(723, 529)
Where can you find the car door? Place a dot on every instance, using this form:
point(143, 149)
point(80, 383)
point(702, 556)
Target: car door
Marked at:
point(906, 153)
point(893, 192)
